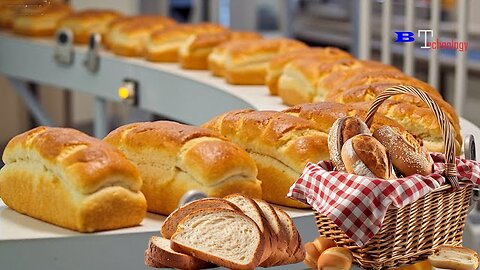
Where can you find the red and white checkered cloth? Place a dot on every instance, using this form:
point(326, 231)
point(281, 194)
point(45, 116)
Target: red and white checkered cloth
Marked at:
point(359, 204)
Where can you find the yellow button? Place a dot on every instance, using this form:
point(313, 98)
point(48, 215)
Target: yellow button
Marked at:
point(123, 92)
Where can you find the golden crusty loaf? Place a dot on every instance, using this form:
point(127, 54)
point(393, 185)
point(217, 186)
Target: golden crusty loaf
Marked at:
point(173, 158)
point(194, 52)
point(246, 62)
point(128, 36)
point(86, 22)
point(335, 258)
point(8, 10)
point(412, 113)
point(67, 178)
point(280, 144)
point(163, 45)
point(276, 66)
point(39, 19)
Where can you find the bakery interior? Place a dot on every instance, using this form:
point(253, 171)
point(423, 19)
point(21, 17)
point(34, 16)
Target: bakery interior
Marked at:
point(165, 64)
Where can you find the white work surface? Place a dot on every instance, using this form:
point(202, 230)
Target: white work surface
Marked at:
point(26, 243)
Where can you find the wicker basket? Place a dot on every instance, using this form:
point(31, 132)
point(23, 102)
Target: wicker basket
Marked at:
point(409, 234)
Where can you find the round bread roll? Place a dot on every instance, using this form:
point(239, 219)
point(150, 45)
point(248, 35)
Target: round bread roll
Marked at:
point(364, 155)
point(407, 154)
point(343, 129)
point(323, 243)
point(449, 257)
point(335, 258)
point(311, 255)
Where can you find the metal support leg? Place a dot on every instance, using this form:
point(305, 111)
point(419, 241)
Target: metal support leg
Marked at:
point(100, 128)
point(40, 116)
point(363, 29)
point(461, 60)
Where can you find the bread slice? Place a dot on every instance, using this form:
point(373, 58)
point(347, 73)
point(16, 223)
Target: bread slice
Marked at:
point(150, 262)
point(295, 247)
point(224, 237)
point(253, 211)
point(170, 224)
point(159, 251)
point(277, 230)
point(450, 257)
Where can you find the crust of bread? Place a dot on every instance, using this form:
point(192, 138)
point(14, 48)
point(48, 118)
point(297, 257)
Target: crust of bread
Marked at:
point(170, 224)
point(86, 22)
point(174, 158)
point(150, 262)
point(53, 174)
point(172, 259)
point(212, 258)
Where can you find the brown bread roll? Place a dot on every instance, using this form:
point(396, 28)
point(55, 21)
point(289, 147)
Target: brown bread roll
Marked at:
point(342, 130)
point(39, 18)
point(365, 156)
point(449, 257)
point(408, 156)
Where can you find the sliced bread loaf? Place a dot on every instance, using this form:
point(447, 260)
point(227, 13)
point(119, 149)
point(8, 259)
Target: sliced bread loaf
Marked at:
point(170, 224)
point(253, 211)
point(150, 262)
point(279, 232)
point(221, 236)
point(294, 240)
point(160, 251)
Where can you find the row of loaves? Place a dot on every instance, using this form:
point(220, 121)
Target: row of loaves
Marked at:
point(256, 153)
point(290, 69)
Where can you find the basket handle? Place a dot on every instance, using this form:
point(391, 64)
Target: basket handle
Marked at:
point(443, 121)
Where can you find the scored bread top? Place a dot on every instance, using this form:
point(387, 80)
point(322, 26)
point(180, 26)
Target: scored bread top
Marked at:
point(88, 21)
point(372, 153)
point(183, 31)
point(205, 155)
point(324, 114)
point(84, 163)
point(293, 141)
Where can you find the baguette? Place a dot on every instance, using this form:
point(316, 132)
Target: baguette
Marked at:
point(64, 177)
point(279, 143)
point(223, 237)
point(173, 158)
point(161, 253)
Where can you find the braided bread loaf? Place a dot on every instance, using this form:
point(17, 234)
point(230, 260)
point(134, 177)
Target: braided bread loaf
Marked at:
point(280, 144)
point(67, 178)
point(173, 158)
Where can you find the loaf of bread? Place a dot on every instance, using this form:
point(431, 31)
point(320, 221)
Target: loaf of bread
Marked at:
point(412, 113)
point(40, 18)
point(312, 57)
point(64, 177)
point(87, 22)
point(245, 62)
point(8, 9)
point(280, 144)
point(173, 158)
point(194, 52)
point(419, 121)
point(163, 45)
point(223, 237)
point(128, 36)
point(338, 258)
